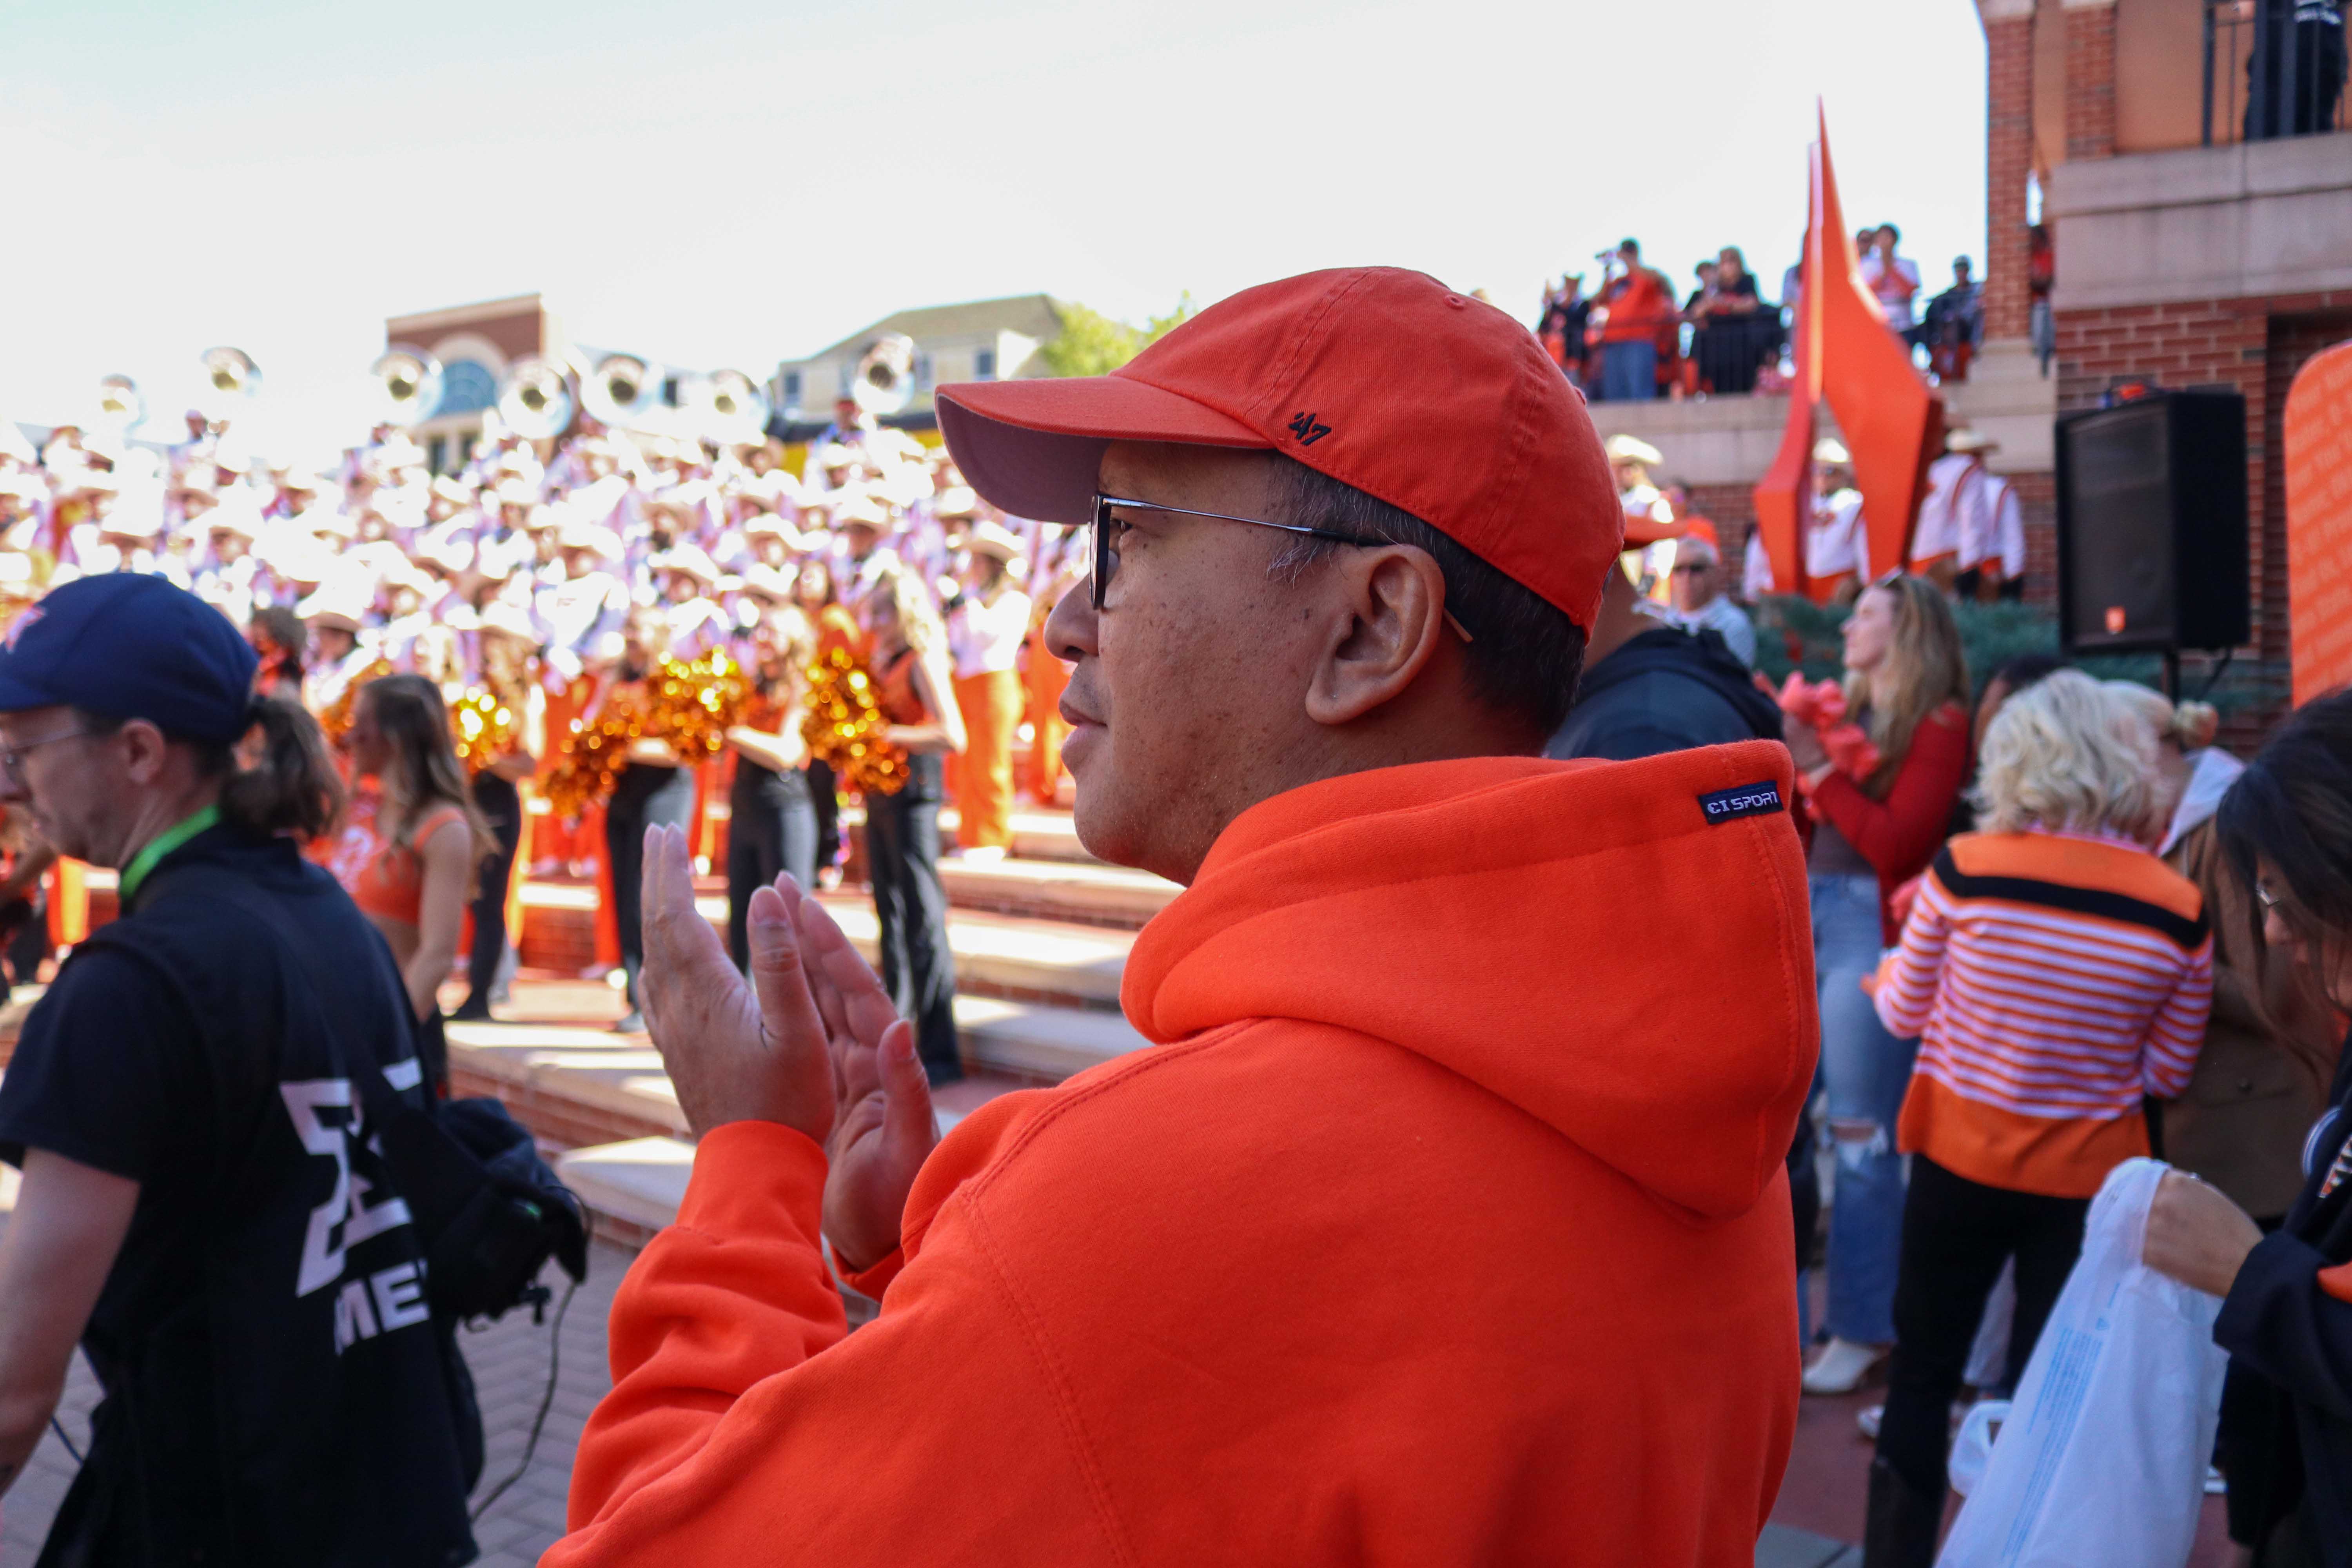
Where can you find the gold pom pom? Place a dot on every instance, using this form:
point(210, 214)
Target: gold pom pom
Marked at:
point(484, 729)
point(844, 726)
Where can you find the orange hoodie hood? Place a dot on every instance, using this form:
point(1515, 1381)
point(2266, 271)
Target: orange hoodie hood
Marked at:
point(1621, 950)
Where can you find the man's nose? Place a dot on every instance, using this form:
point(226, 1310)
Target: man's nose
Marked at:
point(1073, 630)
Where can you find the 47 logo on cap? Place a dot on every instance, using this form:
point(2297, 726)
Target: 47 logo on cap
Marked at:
point(1748, 800)
point(1308, 431)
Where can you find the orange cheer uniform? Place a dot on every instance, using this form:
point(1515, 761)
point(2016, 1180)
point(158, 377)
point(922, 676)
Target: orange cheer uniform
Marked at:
point(1443, 1225)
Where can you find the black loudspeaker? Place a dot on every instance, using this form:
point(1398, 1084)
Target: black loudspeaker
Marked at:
point(2152, 524)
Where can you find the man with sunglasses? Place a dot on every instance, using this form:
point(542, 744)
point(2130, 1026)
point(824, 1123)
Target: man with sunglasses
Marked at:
point(1437, 1227)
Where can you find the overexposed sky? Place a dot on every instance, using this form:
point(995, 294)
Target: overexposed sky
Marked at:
point(713, 187)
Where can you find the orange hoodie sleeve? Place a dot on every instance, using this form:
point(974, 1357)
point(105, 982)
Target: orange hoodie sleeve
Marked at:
point(743, 1426)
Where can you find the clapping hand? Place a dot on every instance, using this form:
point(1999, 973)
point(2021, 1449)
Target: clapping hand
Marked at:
point(812, 1041)
point(883, 1128)
point(735, 1051)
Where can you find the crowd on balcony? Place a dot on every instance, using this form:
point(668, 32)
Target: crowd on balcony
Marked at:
point(1630, 340)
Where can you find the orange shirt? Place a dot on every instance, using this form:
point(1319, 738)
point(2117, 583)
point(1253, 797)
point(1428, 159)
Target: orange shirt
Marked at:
point(383, 877)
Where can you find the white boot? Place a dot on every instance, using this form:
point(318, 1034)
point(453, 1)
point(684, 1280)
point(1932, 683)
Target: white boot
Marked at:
point(1842, 1367)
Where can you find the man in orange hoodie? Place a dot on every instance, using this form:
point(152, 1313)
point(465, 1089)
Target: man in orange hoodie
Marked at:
point(1442, 1224)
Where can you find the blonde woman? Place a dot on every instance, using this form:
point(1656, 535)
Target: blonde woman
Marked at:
point(1907, 684)
point(915, 693)
point(2058, 975)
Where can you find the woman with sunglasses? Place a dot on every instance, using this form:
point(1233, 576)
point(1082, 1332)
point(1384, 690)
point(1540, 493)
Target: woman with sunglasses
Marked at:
point(2286, 1309)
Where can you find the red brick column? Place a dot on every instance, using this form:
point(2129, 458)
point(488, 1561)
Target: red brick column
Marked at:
point(2090, 79)
point(2009, 162)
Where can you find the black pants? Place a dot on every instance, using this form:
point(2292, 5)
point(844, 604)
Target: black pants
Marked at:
point(824, 795)
point(644, 797)
point(902, 851)
point(1956, 1236)
point(771, 828)
point(499, 801)
point(27, 923)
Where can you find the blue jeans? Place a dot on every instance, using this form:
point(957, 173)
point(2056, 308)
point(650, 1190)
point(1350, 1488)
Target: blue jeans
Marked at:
point(1629, 371)
point(1865, 1071)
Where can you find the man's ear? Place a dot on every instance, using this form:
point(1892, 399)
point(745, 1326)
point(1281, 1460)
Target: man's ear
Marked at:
point(145, 750)
point(1387, 625)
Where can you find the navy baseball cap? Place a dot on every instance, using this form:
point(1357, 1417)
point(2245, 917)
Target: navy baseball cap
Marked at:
point(131, 647)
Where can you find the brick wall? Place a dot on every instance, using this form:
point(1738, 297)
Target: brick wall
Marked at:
point(2090, 81)
point(2009, 160)
point(2255, 347)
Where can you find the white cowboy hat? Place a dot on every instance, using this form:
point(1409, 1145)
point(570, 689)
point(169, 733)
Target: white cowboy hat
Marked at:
point(1622, 449)
point(1830, 450)
point(500, 618)
point(993, 539)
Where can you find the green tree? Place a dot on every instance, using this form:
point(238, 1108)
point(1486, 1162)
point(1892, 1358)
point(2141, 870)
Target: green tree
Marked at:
point(1092, 343)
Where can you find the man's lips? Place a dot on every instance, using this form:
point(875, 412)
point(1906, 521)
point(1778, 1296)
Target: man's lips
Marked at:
point(1077, 718)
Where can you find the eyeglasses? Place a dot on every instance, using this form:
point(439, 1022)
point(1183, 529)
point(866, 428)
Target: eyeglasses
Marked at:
point(1682, 566)
point(2265, 897)
point(12, 757)
point(1106, 526)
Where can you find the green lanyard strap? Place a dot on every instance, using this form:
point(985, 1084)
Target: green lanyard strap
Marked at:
point(162, 844)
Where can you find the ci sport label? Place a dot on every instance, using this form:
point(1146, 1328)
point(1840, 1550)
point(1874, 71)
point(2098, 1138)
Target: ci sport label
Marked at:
point(1747, 800)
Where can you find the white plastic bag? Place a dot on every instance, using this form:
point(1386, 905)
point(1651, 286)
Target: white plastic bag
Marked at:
point(2101, 1460)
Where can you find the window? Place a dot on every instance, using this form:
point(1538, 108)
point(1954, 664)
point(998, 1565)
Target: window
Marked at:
point(922, 373)
point(792, 389)
point(467, 387)
point(983, 365)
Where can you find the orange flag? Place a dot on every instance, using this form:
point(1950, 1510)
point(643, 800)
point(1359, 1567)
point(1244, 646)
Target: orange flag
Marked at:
point(1891, 420)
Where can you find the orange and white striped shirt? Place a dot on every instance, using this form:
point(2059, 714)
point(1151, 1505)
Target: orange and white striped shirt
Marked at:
point(2056, 980)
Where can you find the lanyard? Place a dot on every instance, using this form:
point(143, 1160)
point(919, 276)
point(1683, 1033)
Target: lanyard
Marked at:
point(162, 844)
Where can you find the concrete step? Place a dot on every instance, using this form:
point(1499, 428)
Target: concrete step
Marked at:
point(1037, 834)
point(634, 1186)
point(1057, 889)
point(1010, 957)
point(575, 1082)
point(1018, 958)
point(559, 927)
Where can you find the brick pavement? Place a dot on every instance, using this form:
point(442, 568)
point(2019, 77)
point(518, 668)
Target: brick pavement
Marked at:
point(508, 1359)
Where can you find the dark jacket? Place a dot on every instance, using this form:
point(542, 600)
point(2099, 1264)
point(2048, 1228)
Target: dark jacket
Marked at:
point(1664, 690)
point(2286, 1429)
point(278, 1391)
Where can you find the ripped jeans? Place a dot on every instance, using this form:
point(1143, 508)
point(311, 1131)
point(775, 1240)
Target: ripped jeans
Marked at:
point(1865, 1072)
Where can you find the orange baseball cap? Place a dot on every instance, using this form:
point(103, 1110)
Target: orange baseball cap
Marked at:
point(1381, 378)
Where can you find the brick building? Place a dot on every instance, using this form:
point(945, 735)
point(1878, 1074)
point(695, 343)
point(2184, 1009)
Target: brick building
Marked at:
point(2185, 253)
point(476, 344)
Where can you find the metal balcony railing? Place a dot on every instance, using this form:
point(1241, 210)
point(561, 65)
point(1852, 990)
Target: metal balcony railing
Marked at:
point(2272, 68)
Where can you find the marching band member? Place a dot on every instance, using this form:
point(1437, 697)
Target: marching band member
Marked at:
point(859, 523)
point(986, 622)
point(1991, 554)
point(1061, 566)
point(508, 653)
point(835, 627)
point(1837, 542)
point(654, 789)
